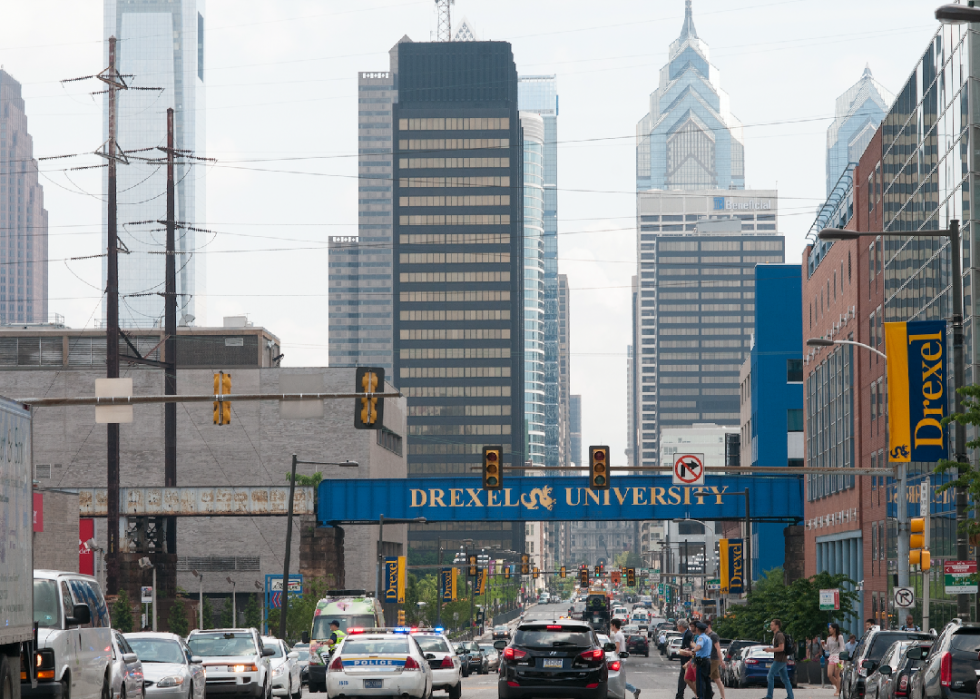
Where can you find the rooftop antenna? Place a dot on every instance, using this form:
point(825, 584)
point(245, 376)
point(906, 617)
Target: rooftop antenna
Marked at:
point(444, 23)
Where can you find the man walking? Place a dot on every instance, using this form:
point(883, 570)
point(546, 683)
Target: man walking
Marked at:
point(702, 662)
point(619, 639)
point(715, 658)
point(780, 655)
point(685, 646)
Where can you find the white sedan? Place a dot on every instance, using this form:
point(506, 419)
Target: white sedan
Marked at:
point(379, 663)
point(169, 669)
point(287, 673)
point(447, 670)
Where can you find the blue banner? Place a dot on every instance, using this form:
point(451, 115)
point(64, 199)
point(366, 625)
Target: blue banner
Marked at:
point(736, 566)
point(558, 499)
point(446, 584)
point(389, 580)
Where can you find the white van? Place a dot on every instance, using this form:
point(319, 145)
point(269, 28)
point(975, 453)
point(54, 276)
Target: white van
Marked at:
point(544, 598)
point(74, 637)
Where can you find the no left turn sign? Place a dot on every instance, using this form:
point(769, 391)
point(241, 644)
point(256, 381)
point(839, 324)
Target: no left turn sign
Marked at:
point(689, 469)
point(904, 597)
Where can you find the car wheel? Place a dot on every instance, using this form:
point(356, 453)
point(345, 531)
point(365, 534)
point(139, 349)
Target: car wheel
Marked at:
point(456, 692)
point(106, 690)
point(741, 683)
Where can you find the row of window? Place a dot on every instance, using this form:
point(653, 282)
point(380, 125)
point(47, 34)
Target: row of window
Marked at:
point(455, 372)
point(679, 272)
point(454, 239)
point(453, 258)
point(465, 200)
point(455, 353)
point(878, 399)
point(438, 163)
point(457, 410)
point(678, 344)
point(707, 319)
point(456, 220)
point(456, 391)
point(452, 296)
point(693, 307)
point(452, 143)
point(451, 277)
point(829, 437)
point(696, 391)
point(390, 441)
point(455, 124)
point(696, 367)
point(455, 334)
point(442, 182)
point(705, 295)
point(416, 448)
point(702, 331)
point(459, 429)
point(482, 314)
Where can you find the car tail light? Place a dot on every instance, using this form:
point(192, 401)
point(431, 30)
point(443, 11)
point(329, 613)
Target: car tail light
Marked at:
point(514, 653)
point(337, 664)
point(590, 656)
point(751, 661)
point(946, 669)
point(511, 683)
point(903, 687)
point(594, 685)
point(411, 664)
point(447, 662)
point(614, 665)
point(553, 627)
point(791, 663)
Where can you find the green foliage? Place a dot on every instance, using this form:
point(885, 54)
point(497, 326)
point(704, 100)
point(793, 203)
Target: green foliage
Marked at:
point(968, 476)
point(122, 613)
point(208, 613)
point(307, 481)
point(796, 605)
point(253, 612)
point(225, 618)
point(299, 610)
point(177, 618)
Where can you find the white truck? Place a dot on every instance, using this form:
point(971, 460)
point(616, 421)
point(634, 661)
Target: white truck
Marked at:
point(17, 633)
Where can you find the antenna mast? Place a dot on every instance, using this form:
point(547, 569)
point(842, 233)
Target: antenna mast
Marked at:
point(444, 25)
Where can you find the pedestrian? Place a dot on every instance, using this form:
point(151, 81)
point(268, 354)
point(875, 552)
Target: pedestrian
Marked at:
point(702, 662)
point(715, 658)
point(910, 624)
point(814, 649)
point(336, 635)
point(869, 624)
point(686, 639)
point(851, 645)
point(834, 645)
point(780, 656)
point(619, 639)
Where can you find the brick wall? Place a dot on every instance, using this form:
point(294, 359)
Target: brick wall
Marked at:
point(56, 548)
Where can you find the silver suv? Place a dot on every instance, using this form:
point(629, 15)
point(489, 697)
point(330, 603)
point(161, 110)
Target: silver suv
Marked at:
point(235, 661)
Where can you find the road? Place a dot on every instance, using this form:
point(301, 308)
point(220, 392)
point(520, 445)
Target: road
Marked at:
point(655, 676)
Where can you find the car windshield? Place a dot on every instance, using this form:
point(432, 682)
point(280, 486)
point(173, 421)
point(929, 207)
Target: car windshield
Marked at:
point(303, 655)
point(156, 650)
point(375, 646)
point(965, 640)
point(274, 645)
point(543, 637)
point(883, 641)
point(46, 604)
point(758, 653)
point(217, 645)
point(321, 624)
point(432, 644)
point(487, 648)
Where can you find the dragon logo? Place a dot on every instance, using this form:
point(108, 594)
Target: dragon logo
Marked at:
point(538, 496)
point(901, 450)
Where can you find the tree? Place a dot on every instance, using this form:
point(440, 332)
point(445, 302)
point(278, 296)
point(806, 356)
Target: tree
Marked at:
point(122, 613)
point(307, 481)
point(300, 609)
point(253, 613)
point(208, 613)
point(177, 618)
point(968, 476)
point(225, 617)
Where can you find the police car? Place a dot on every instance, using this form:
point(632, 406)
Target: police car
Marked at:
point(447, 670)
point(379, 662)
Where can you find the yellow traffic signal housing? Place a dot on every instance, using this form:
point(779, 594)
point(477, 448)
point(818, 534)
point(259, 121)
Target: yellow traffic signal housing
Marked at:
point(507, 572)
point(562, 571)
point(401, 617)
point(598, 571)
point(918, 557)
point(472, 560)
point(599, 468)
point(631, 577)
point(222, 408)
point(369, 410)
point(493, 472)
point(583, 577)
point(525, 564)
point(535, 572)
point(917, 539)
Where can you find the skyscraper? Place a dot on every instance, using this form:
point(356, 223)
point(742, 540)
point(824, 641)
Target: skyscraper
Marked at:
point(23, 218)
point(856, 117)
point(160, 45)
point(564, 372)
point(458, 262)
point(575, 427)
point(689, 139)
point(533, 127)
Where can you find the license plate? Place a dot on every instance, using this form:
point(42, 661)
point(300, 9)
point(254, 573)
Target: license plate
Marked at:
point(373, 684)
point(218, 668)
point(549, 662)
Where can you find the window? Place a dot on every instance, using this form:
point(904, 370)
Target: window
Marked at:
point(829, 434)
point(794, 370)
point(871, 193)
point(874, 400)
point(794, 420)
point(390, 441)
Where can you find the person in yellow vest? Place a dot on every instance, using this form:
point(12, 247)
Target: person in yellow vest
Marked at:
point(336, 635)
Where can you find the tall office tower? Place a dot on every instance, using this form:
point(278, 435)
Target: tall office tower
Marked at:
point(23, 218)
point(360, 304)
point(856, 117)
point(630, 407)
point(539, 94)
point(575, 427)
point(160, 45)
point(689, 139)
point(533, 126)
point(458, 263)
point(564, 372)
point(696, 253)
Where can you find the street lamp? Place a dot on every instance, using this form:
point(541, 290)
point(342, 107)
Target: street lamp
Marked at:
point(90, 545)
point(958, 14)
point(145, 564)
point(234, 606)
point(200, 598)
point(948, 14)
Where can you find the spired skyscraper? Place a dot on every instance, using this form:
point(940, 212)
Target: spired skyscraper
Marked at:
point(689, 139)
point(159, 45)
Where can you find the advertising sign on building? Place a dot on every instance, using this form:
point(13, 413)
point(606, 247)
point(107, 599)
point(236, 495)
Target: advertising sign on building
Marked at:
point(961, 577)
point(917, 391)
point(830, 600)
point(38, 512)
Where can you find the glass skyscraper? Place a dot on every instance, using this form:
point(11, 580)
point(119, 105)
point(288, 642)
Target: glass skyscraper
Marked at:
point(533, 126)
point(160, 45)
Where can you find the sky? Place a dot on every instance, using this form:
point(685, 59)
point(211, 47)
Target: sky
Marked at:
point(281, 80)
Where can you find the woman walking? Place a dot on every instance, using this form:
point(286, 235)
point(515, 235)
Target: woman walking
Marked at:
point(834, 645)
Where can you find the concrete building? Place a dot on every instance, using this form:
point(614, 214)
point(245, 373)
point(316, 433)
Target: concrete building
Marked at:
point(159, 45)
point(23, 218)
point(600, 542)
point(254, 450)
point(857, 114)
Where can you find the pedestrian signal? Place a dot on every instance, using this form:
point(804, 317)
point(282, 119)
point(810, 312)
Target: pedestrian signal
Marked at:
point(535, 572)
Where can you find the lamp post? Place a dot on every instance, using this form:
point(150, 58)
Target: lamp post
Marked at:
point(950, 14)
point(381, 534)
point(90, 545)
point(200, 599)
point(234, 605)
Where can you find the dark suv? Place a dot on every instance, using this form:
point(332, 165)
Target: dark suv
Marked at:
point(867, 656)
point(553, 659)
point(950, 668)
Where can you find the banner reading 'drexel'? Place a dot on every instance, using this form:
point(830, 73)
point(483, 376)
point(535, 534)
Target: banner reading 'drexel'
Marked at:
point(917, 391)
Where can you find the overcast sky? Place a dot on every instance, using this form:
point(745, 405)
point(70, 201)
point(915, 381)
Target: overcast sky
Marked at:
point(282, 84)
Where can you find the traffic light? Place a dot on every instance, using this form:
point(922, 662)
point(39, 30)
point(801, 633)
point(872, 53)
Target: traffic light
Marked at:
point(369, 411)
point(493, 474)
point(525, 564)
point(598, 571)
point(631, 577)
point(918, 555)
point(401, 617)
point(599, 468)
point(222, 408)
point(583, 577)
point(535, 572)
point(473, 566)
point(507, 572)
point(562, 571)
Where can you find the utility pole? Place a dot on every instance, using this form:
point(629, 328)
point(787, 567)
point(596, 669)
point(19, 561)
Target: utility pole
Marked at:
point(748, 543)
point(284, 605)
point(170, 343)
point(959, 430)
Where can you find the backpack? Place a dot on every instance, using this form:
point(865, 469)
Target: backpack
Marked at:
point(789, 647)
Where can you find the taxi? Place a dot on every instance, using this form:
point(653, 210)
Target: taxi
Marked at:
point(371, 662)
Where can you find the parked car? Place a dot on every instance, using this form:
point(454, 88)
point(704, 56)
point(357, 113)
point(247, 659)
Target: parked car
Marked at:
point(882, 683)
point(753, 667)
point(287, 677)
point(910, 664)
point(501, 631)
point(729, 657)
point(616, 687)
point(667, 635)
point(949, 670)
point(223, 652)
point(673, 648)
point(169, 669)
point(867, 655)
point(303, 661)
point(445, 664)
point(125, 670)
point(493, 656)
point(553, 658)
point(638, 644)
point(472, 658)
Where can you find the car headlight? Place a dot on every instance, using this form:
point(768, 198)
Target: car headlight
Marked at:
point(171, 681)
point(279, 670)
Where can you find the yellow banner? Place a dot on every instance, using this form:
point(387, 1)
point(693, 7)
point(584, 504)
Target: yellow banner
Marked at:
point(899, 428)
point(402, 572)
point(455, 582)
point(481, 585)
point(723, 559)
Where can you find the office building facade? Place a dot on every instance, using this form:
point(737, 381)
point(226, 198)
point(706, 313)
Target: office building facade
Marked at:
point(575, 427)
point(857, 114)
point(564, 372)
point(533, 128)
point(159, 45)
point(23, 218)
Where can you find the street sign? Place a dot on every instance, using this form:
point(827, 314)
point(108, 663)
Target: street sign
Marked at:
point(961, 577)
point(904, 597)
point(688, 587)
point(689, 469)
point(829, 600)
point(714, 584)
point(925, 490)
point(146, 595)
